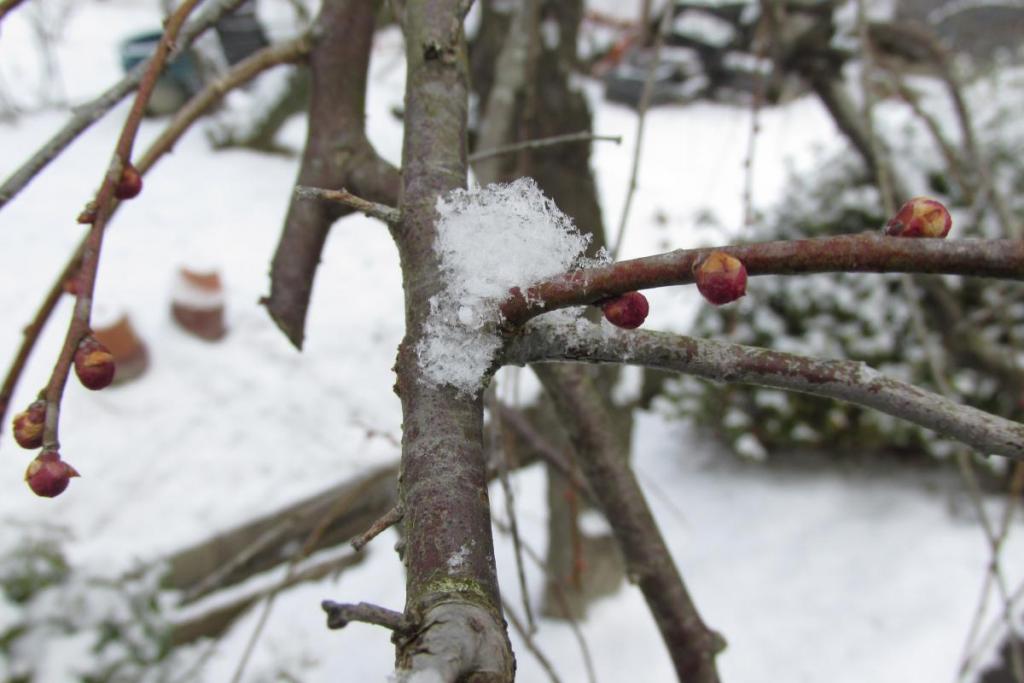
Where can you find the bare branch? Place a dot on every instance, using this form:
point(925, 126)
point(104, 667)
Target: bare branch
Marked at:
point(691, 644)
point(863, 253)
point(79, 326)
point(668, 13)
point(337, 154)
point(87, 114)
point(239, 75)
point(388, 520)
point(388, 214)
point(340, 615)
point(851, 381)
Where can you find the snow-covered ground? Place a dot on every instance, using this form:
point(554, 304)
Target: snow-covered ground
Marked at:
point(818, 575)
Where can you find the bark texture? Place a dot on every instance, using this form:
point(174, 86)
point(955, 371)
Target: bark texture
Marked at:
point(452, 590)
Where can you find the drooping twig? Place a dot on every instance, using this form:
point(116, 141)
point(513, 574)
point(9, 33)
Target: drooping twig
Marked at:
point(87, 114)
point(582, 136)
point(850, 381)
point(340, 615)
point(691, 644)
point(240, 74)
point(86, 277)
point(31, 335)
point(388, 520)
point(388, 214)
point(864, 253)
point(641, 121)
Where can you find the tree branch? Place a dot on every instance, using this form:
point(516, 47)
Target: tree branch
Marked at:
point(337, 154)
point(851, 381)
point(339, 615)
point(242, 73)
point(87, 114)
point(79, 326)
point(691, 644)
point(863, 253)
point(451, 587)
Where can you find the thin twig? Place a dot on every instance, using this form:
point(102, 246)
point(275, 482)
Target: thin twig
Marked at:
point(529, 642)
point(515, 420)
point(340, 615)
point(862, 253)
point(79, 326)
point(501, 449)
point(851, 381)
point(563, 602)
point(242, 73)
point(386, 521)
point(87, 114)
point(388, 214)
point(31, 335)
point(582, 136)
point(644, 105)
point(307, 547)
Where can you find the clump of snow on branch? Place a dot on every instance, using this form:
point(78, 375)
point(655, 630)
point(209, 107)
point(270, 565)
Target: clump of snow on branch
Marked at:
point(489, 240)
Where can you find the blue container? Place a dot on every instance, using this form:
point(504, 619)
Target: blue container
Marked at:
point(179, 80)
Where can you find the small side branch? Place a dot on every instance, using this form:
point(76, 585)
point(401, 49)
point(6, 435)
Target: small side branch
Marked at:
point(388, 520)
point(388, 214)
point(851, 381)
point(861, 253)
point(340, 615)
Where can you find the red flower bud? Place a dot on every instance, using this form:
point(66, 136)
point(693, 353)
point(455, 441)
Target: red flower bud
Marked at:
point(628, 311)
point(920, 217)
point(28, 425)
point(94, 364)
point(48, 475)
point(130, 184)
point(721, 278)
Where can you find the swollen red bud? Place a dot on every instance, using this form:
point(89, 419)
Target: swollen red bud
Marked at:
point(94, 364)
point(28, 425)
point(920, 217)
point(721, 278)
point(48, 475)
point(130, 184)
point(628, 311)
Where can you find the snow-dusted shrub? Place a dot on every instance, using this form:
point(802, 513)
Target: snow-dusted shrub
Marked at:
point(58, 624)
point(867, 316)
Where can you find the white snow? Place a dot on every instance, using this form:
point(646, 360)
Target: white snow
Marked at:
point(878, 572)
point(490, 239)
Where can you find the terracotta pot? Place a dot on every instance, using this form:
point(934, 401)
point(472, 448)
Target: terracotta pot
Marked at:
point(197, 304)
